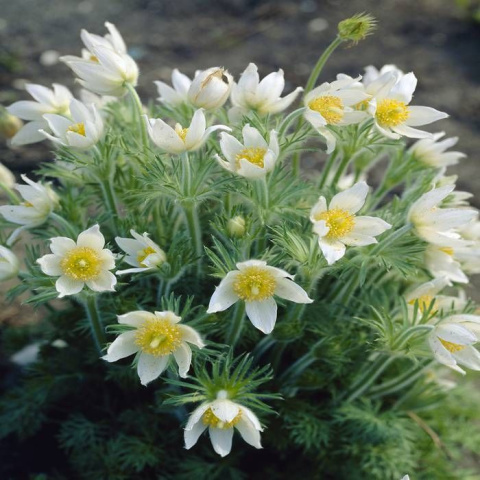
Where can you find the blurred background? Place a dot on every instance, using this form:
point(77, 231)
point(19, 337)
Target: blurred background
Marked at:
point(436, 39)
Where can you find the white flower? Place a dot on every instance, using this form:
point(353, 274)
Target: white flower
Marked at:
point(7, 178)
point(256, 283)
point(438, 225)
point(337, 225)
point(452, 342)
point(252, 159)
point(154, 336)
point(372, 73)
point(173, 97)
point(9, 264)
point(99, 101)
point(56, 100)
point(82, 131)
point(221, 417)
point(431, 151)
point(427, 292)
point(80, 263)
point(142, 253)
point(393, 115)
point(210, 88)
point(262, 96)
point(40, 200)
point(334, 104)
point(179, 139)
point(105, 66)
point(442, 262)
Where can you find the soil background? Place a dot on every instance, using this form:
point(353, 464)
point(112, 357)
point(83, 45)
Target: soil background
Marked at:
point(436, 39)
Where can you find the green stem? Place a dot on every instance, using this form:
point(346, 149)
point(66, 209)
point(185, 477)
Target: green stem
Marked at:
point(194, 228)
point(341, 168)
point(139, 109)
point(237, 325)
point(65, 224)
point(317, 70)
point(391, 239)
point(109, 197)
point(10, 193)
point(327, 168)
point(288, 120)
point(93, 314)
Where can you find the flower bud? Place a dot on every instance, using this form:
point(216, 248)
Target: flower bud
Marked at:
point(9, 264)
point(356, 28)
point(9, 124)
point(210, 89)
point(7, 178)
point(236, 226)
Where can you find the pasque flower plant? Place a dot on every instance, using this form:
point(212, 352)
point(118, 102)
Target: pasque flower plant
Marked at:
point(180, 237)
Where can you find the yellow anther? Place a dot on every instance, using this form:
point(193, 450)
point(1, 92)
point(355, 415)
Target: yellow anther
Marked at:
point(329, 107)
point(339, 221)
point(158, 336)
point(391, 113)
point(254, 283)
point(81, 263)
point(253, 155)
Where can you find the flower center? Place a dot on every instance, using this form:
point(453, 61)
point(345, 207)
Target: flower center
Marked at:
point(77, 128)
point(329, 107)
point(391, 113)
point(157, 336)
point(143, 254)
point(452, 347)
point(362, 106)
point(180, 131)
point(253, 155)
point(81, 263)
point(424, 302)
point(210, 419)
point(339, 222)
point(254, 283)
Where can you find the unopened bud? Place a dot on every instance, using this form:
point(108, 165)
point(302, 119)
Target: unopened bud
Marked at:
point(7, 178)
point(9, 264)
point(210, 89)
point(9, 124)
point(356, 28)
point(236, 226)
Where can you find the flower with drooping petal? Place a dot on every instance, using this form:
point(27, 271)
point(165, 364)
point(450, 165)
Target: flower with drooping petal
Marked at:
point(221, 417)
point(55, 100)
point(82, 131)
point(333, 104)
point(432, 152)
point(9, 264)
point(393, 115)
point(210, 88)
point(105, 67)
point(261, 96)
point(452, 342)
point(154, 337)
point(337, 225)
point(142, 253)
point(80, 263)
point(427, 294)
point(173, 97)
point(256, 283)
point(439, 225)
point(179, 140)
point(252, 159)
point(40, 200)
point(7, 178)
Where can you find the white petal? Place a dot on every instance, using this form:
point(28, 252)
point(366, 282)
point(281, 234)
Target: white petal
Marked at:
point(372, 226)
point(150, 367)
point(469, 357)
point(455, 333)
point(225, 410)
point(221, 440)
point(50, 265)
point(30, 133)
point(410, 132)
point(105, 282)
point(253, 138)
point(123, 346)
point(135, 318)
point(196, 415)
point(67, 286)
point(271, 87)
point(423, 116)
point(230, 146)
point(61, 245)
point(332, 251)
point(404, 89)
point(354, 239)
point(352, 199)
point(442, 355)
point(262, 314)
point(195, 130)
point(248, 432)
point(190, 335)
point(291, 291)
point(318, 208)
point(224, 296)
point(192, 435)
point(180, 82)
point(281, 104)
point(183, 357)
point(91, 238)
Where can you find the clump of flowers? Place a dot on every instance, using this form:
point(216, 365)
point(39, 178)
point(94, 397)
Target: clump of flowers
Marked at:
point(204, 224)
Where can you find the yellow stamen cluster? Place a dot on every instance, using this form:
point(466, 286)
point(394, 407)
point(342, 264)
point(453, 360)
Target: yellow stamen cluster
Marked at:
point(391, 113)
point(253, 155)
point(424, 302)
point(81, 263)
point(254, 283)
point(210, 419)
point(143, 254)
point(77, 128)
point(339, 221)
point(180, 131)
point(329, 107)
point(158, 336)
point(452, 347)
